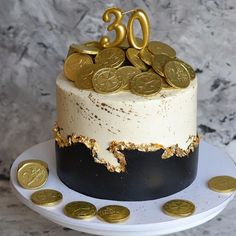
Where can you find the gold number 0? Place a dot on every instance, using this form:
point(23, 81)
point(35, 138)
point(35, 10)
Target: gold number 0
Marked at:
point(116, 25)
point(120, 29)
point(141, 16)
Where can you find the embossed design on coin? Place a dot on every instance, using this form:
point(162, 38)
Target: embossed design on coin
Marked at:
point(146, 84)
point(157, 47)
point(110, 57)
point(105, 80)
point(178, 208)
point(80, 210)
point(159, 62)
point(33, 160)
point(32, 175)
point(146, 56)
point(113, 213)
point(133, 56)
point(46, 197)
point(176, 74)
point(85, 75)
point(126, 73)
point(222, 184)
point(73, 64)
point(189, 68)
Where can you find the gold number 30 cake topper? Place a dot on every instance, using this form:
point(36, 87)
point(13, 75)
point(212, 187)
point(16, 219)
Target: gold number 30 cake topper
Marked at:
point(122, 32)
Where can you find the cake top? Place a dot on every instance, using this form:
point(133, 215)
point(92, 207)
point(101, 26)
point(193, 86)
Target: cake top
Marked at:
point(128, 63)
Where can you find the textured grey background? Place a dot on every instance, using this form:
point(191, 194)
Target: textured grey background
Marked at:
point(34, 37)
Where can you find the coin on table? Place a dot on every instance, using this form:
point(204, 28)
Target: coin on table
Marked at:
point(80, 210)
point(46, 197)
point(222, 184)
point(146, 56)
point(113, 213)
point(133, 56)
point(91, 48)
point(73, 64)
point(32, 175)
point(110, 57)
point(32, 160)
point(105, 80)
point(159, 62)
point(84, 76)
point(176, 74)
point(178, 208)
point(189, 68)
point(126, 73)
point(157, 47)
point(146, 84)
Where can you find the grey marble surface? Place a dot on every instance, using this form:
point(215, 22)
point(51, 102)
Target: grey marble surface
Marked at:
point(34, 37)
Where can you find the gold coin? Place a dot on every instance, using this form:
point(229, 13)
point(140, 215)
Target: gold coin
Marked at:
point(85, 75)
point(32, 175)
point(32, 160)
point(164, 84)
point(80, 210)
point(110, 57)
point(146, 84)
point(133, 56)
point(126, 73)
point(91, 48)
point(189, 68)
point(105, 80)
point(151, 71)
point(46, 197)
point(146, 56)
point(222, 184)
point(125, 44)
point(73, 64)
point(113, 213)
point(159, 62)
point(178, 208)
point(157, 47)
point(176, 74)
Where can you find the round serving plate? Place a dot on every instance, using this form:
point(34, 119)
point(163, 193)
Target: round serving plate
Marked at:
point(146, 217)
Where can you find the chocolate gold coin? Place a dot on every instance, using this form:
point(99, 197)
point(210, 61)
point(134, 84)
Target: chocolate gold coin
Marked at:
point(110, 57)
point(80, 210)
point(159, 62)
point(32, 175)
point(91, 48)
point(146, 84)
point(126, 73)
point(74, 63)
point(84, 77)
point(157, 47)
point(146, 56)
point(178, 208)
point(189, 68)
point(176, 74)
point(222, 184)
point(113, 213)
point(133, 56)
point(46, 197)
point(32, 160)
point(105, 80)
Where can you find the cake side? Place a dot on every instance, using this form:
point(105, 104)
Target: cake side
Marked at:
point(164, 121)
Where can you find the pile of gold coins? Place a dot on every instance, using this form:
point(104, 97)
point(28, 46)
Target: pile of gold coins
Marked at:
point(144, 72)
point(33, 174)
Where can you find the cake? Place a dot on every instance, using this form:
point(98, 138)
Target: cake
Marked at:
point(132, 143)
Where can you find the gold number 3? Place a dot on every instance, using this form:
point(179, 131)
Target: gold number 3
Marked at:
point(120, 29)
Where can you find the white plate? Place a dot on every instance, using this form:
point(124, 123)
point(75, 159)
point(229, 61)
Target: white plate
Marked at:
point(146, 216)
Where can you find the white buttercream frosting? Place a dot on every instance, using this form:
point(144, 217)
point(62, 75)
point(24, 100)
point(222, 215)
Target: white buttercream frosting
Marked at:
point(168, 118)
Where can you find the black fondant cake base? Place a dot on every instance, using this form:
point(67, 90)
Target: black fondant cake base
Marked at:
point(147, 176)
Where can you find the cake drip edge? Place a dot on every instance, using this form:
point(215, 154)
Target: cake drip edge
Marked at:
point(116, 147)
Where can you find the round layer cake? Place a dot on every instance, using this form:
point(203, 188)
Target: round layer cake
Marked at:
point(126, 147)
